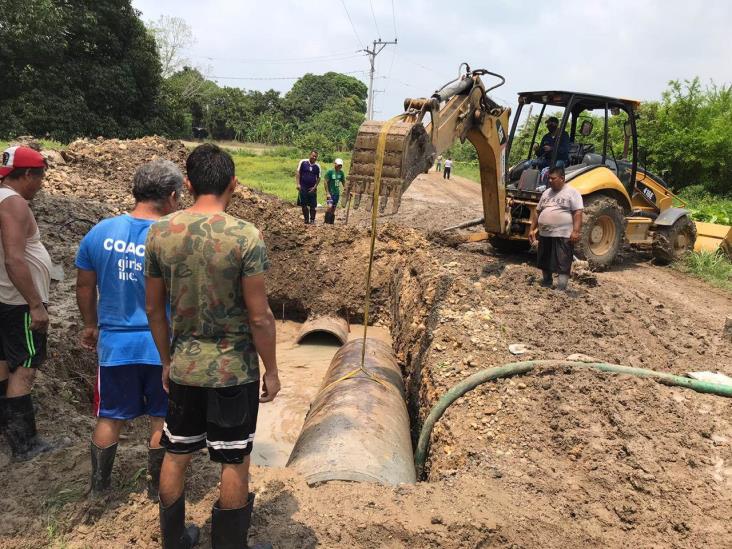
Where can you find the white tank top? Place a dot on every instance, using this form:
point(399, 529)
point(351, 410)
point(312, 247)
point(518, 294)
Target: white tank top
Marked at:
point(39, 263)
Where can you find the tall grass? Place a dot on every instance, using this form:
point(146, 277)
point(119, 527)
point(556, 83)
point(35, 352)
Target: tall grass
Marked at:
point(712, 267)
point(707, 207)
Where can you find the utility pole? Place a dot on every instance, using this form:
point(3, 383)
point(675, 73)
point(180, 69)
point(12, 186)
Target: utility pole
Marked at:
point(375, 50)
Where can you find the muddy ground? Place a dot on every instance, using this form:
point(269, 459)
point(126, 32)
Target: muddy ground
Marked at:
point(558, 458)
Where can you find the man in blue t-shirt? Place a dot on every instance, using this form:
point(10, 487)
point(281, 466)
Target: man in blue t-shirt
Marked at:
point(307, 178)
point(129, 377)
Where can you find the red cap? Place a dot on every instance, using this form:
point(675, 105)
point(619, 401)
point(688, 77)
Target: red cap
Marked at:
point(21, 157)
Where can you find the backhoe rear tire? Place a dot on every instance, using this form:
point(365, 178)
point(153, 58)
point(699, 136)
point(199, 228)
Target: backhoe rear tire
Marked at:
point(674, 242)
point(603, 230)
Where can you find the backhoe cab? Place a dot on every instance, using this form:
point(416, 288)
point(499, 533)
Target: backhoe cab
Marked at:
point(621, 200)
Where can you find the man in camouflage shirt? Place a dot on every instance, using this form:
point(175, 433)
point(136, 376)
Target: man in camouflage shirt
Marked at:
point(210, 266)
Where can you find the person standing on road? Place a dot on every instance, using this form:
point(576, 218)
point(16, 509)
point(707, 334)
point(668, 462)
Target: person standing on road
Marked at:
point(558, 224)
point(335, 178)
point(25, 281)
point(210, 266)
point(129, 378)
point(307, 178)
point(439, 163)
point(448, 168)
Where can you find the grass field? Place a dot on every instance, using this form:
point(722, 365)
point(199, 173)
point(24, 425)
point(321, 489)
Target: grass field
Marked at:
point(45, 143)
point(275, 174)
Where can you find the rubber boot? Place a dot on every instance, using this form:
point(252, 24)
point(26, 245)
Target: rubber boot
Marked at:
point(3, 414)
point(154, 464)
point(562, 281)
point(173, 529)
point(230, 527)
point(21, 431)
point(546, 280)
point(102, 460)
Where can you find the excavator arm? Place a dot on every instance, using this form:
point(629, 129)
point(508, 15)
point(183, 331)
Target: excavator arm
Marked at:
point(460, 110)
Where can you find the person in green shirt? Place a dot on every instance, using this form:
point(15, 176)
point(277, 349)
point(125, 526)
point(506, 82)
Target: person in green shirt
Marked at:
point(334, 181)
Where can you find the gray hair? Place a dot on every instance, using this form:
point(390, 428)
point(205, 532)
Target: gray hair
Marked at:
point(156, 181)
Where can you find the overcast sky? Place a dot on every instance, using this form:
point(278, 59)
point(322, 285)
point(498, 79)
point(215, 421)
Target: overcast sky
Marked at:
point(628, 48)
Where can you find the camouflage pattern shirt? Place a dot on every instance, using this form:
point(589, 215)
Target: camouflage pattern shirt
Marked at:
point(202, 259)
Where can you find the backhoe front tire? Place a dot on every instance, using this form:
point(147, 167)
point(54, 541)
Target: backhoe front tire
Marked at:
point(603, 229)
point(674, 242)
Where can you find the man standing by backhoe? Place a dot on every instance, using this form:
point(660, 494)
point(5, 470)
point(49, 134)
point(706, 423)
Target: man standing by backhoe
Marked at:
point(558, 223)
point(25, 280)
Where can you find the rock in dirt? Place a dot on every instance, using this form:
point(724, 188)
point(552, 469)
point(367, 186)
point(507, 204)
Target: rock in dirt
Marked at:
point(518, 348)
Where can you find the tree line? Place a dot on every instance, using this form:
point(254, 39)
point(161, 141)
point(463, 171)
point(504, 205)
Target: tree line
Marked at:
point(74, 68)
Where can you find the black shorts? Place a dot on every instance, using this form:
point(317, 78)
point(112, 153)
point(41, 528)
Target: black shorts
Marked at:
point(308, 199)
point(555, 254)
point(19, 345)
point(223, 419)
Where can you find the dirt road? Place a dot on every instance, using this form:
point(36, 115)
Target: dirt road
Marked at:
point(553, 459)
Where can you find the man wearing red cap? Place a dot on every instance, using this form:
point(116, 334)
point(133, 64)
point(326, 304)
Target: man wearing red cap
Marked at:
point(25, 280)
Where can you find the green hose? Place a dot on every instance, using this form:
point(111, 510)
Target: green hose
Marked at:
point(517, 368)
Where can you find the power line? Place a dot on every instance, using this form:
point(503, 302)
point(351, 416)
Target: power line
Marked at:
point(378, 32)
point(285, 60)
point(273, 77)
point(393, 18)
point(343, 3)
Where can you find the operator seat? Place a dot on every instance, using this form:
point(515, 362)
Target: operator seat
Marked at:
point(594, 159)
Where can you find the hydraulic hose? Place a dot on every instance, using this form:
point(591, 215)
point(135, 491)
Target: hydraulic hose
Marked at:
point(518, 368)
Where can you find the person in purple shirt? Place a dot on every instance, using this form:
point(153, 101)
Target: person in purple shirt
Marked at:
point(307, 178)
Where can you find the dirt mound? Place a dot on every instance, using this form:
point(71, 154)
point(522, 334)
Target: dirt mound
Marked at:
point(102, 169)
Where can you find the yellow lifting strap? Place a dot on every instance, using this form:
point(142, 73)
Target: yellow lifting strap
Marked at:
point(378, 165)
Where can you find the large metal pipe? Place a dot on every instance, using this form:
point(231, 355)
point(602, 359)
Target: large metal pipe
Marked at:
point(357, 428)
point(333, 325)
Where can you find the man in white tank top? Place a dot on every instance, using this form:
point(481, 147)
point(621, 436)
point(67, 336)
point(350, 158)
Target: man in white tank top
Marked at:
point(24, 287)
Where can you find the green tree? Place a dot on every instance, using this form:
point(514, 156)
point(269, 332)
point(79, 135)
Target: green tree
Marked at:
point(314, 93)
point(72, 68)
point(687, 136)
point(339, 122)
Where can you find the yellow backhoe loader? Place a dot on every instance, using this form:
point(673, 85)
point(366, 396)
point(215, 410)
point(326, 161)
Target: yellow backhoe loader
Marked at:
point(623, 201)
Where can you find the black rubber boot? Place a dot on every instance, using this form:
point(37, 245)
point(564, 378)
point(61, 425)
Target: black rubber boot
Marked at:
point(154, 464)
point(546, 279)
point(102, 460)
point(3, 414)
point(230, 527)
point(173, 529)
point(21, 431)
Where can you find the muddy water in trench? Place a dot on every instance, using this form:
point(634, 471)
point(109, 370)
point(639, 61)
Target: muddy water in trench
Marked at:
point(301, 371)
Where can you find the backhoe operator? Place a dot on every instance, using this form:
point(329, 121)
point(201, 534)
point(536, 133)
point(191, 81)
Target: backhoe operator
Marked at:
point(548, 142)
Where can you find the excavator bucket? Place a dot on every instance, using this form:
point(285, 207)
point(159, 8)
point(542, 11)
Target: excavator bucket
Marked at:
point(408, 153)
point(711, 237)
